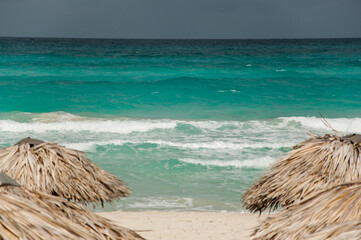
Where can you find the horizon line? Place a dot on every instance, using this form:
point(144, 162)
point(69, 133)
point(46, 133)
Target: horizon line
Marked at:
point(111, 38)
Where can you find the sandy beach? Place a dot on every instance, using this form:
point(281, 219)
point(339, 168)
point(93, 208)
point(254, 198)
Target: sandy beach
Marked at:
point(188, 225)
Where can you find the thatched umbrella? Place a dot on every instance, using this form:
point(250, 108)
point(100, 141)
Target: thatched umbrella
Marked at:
point(60, 171)
point(338, 231)
point(339, 204)
point(311, 166)
point(27, 214)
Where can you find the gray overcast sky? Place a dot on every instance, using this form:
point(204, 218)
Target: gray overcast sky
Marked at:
point(181, 18)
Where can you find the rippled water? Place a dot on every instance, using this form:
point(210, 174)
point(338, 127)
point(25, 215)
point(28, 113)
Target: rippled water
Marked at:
point(189, 125)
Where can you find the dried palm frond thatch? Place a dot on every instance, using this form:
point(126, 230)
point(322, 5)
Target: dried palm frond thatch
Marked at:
point(338, 204)
point(311, 166)
point(60, 171)
point(338, 231)
point(27, 214)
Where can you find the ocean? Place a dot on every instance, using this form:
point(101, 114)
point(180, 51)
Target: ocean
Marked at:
point(189, 125)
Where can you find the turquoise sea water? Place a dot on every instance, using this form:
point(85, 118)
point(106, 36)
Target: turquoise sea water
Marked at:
point(188, 124)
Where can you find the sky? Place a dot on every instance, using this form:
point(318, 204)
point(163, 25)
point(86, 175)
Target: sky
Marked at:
point(220, 19)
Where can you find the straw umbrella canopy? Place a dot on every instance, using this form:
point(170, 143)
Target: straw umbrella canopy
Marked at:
point(27, 214)
point(60, 171)
point(311, 166)
point(338, 231)
point(339, 204)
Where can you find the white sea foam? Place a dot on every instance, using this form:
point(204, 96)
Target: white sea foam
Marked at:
point(280, 70)
point(162, 203)
point(222, 145)
point(84, 146)
point(67, 121)
point(90, 146)
point(341, 125)
point(180, 203)
point(254, 163)
point(70, 122)
point(56, 117)
point(111, 126)
point(235, 135)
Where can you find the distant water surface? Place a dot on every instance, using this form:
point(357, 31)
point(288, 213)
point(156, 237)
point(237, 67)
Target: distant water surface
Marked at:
point(188, 124)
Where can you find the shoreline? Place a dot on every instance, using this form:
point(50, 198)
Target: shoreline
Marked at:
point(157, 225)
